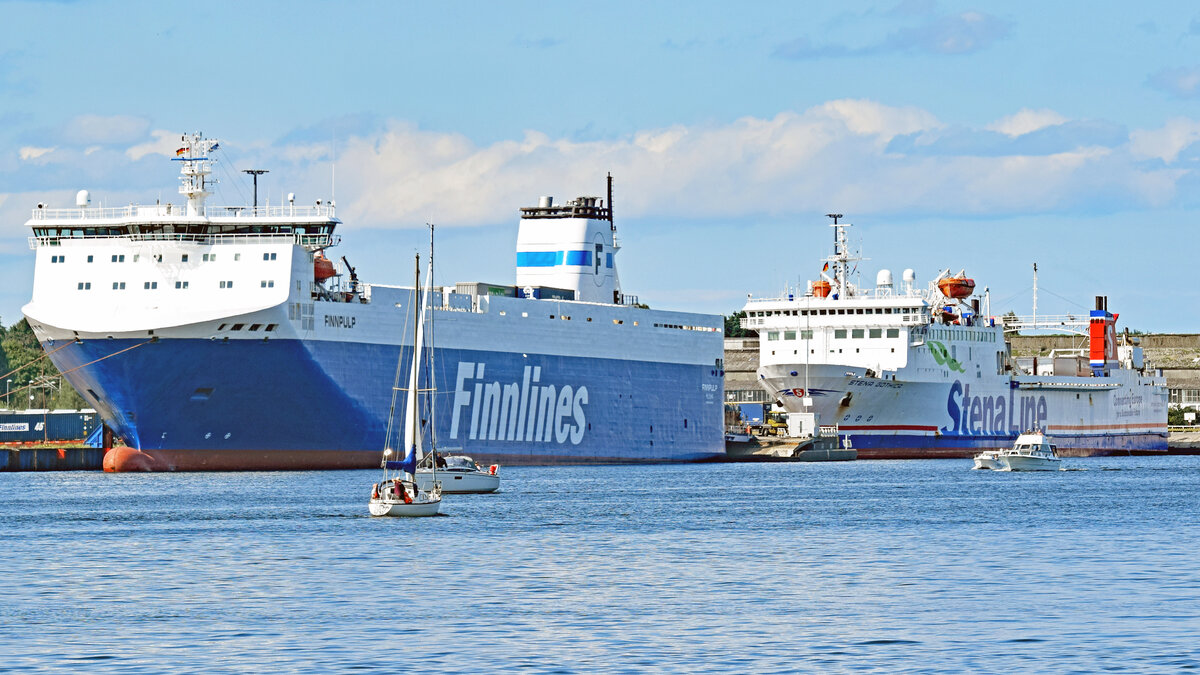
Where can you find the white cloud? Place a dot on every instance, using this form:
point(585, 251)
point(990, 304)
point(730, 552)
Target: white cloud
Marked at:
point(163, 143)
point(406, 175)
point(1165, 143)
point(105, 129)
point(30, 152)
point(857, 156)
point(1025, 121)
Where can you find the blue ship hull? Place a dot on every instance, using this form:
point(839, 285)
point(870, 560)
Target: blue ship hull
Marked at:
point(911, 446)
point(301, 404)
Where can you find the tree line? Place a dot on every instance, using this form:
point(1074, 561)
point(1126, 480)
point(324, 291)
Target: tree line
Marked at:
point(29, 380)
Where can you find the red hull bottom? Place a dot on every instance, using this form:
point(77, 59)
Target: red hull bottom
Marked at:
point(968, 453)
point(128, 460)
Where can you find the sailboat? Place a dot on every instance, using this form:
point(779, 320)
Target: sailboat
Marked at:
point(398, 494)
point(456, 473)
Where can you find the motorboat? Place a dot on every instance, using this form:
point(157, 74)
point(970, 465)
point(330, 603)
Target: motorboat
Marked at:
point(459, 474)
point(988, 459)
point(1032, 451)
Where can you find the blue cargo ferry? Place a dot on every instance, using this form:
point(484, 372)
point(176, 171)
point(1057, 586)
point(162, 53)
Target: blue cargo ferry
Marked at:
point(226, 338)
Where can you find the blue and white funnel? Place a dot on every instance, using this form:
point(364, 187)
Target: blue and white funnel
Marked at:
point(570, 246)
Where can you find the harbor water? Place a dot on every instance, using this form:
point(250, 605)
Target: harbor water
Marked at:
point(888, 566)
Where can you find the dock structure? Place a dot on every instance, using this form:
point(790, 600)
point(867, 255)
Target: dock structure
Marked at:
point(45, 458)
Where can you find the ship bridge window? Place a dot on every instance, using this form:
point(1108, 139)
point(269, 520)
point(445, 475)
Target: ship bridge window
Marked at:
point(856, 333)
point(839, 334)
point(789, 335)
point(773, 335)
point(237, 326)
point(893, 332)
point(268, 256)
point(841, 311)
point(806, 335)
point(824, 312)
point(255, 326)
point(271, 327)
point(859, 311)
point(876, 333)
point(58, 258)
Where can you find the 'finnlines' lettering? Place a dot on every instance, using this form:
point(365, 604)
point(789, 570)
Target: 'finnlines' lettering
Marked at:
point(526, 411)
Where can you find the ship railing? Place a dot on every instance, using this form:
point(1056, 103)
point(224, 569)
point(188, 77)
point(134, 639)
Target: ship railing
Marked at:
point(140, 211)
point(1070, 323)
point(309, 241)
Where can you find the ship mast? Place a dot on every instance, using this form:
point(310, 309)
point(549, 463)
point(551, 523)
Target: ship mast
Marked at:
point(195, 173)
point(841, 257)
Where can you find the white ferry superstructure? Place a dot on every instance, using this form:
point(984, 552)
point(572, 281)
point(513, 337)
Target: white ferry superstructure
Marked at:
point(223, 338)
point(912, 373)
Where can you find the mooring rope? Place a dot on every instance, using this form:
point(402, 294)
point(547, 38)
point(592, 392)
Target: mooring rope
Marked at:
point(30, 386)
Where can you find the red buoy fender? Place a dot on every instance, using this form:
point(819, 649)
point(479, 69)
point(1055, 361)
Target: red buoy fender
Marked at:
point(493, 469)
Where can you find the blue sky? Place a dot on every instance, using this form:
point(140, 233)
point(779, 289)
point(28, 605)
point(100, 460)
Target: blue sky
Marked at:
point(985, 136)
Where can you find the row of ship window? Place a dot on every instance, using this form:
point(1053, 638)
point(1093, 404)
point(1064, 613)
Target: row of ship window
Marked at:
point(153, 285)
point(838, 334)
point(963, 335)
point(120, 258)
point(826, 312)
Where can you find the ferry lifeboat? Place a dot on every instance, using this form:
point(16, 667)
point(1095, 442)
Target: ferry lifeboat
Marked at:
point(957, 287)
point(323, 268)
point(821, 289)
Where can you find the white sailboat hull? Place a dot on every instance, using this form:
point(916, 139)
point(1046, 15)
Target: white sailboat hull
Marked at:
point(391, 507)
point(455, 482)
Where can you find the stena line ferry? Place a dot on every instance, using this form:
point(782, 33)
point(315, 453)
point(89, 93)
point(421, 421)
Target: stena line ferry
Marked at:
point(226, 338)
point(906, 372)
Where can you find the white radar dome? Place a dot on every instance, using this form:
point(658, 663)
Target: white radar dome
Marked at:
point(910, 276)
point(884, 279)
point(83, 198)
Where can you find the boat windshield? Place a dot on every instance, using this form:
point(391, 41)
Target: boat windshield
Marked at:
point(459, 463)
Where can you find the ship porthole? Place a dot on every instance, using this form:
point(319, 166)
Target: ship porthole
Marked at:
point(208, 435)
point(227, 435)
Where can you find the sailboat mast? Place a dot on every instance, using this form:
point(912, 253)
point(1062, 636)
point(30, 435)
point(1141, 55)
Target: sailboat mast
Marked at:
point(432, 382)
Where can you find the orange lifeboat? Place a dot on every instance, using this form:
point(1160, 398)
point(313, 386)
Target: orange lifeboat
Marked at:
point(821, 289)
point(323, 268)
point(957, 287)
